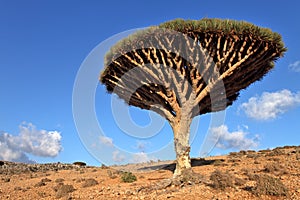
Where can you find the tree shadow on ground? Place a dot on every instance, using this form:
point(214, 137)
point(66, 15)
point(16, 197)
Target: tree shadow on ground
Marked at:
point(171, 167)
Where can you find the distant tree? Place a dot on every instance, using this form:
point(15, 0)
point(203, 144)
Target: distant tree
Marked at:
point(181, 69)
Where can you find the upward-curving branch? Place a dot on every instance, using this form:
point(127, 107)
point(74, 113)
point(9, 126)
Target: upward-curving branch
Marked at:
point(181, 69)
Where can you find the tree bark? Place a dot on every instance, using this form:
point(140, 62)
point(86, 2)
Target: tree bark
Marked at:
point(181, 130)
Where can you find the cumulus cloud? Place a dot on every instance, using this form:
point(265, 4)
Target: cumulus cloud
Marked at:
point(14, 155)
point(117, 156)
point(270, 105)
point(233, 140)
point(141, 157)
point(29, 141)
point(106, 141)
point(295, 66)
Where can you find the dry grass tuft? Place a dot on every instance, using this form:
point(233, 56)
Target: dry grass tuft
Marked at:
point(274, 168)
point(268, 185)
point(221, 180)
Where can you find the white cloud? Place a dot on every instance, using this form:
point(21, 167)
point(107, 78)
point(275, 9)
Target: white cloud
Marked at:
point(270, 105)
point(295, 66)
point(235, 140)
point(141, 157)
point(13, 155)
point(106, 141)
point(30, 140)
point(117, 156)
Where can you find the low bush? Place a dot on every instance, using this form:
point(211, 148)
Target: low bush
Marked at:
point(221, 180)
point(268, 185)
point(90, 182)
point(274, 168)
point(128, 177)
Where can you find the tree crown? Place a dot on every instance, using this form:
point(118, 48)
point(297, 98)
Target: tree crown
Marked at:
point(221, 26)
point(242, 53)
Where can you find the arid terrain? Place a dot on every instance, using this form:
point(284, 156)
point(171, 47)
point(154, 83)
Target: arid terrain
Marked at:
point(266, 174)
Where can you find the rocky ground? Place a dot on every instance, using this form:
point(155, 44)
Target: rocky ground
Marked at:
point(267, 174)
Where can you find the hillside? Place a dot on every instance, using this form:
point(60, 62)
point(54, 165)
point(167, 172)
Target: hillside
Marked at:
point(266, 174)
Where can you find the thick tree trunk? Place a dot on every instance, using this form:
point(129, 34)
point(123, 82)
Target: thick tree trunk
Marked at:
point(181, 131)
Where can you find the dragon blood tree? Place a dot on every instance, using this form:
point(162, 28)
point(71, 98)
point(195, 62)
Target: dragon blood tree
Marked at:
point(182, 69)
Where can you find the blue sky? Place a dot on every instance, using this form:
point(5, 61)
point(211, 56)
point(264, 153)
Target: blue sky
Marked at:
point(43, 45)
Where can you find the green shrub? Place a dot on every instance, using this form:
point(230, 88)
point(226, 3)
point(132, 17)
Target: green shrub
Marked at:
point(128, 177)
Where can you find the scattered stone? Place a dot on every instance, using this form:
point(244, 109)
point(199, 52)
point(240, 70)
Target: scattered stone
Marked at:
point(246, 183)
point(11, 168)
